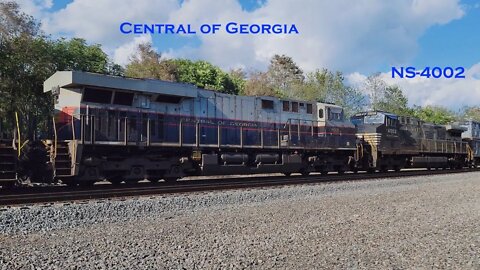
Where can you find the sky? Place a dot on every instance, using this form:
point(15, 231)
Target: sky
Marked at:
point(358, 38)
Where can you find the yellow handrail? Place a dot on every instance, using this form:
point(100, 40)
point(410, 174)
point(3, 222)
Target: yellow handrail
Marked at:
point(18, 134)
point(470, 153)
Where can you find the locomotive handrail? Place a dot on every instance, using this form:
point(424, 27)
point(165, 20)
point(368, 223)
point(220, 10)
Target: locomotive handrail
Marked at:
point(180, 133)
point(74, 138)
point(55, 139)
point(241, 136)
point(148, 132)
point(153, 131)
point(125, 138)
point(19, 138)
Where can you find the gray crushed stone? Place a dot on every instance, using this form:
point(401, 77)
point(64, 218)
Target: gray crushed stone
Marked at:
point(417, 222)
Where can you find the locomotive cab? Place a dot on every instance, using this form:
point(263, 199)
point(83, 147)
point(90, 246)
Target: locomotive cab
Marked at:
point(332, 122)
point(378, 133)
point(386, 124)
point(472, 137)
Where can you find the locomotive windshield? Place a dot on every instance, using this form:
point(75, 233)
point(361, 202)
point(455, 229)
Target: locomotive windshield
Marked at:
point(374, 119)
point(335, 114)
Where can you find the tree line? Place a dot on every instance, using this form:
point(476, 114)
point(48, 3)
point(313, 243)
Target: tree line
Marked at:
point(28, 57)
point(285, 79)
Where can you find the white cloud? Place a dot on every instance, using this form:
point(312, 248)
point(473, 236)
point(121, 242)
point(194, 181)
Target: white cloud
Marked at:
point(123, 53)
point(36, 8)
point(452, 93)
point(98, 21)
point(356, 37)
point(342, 35)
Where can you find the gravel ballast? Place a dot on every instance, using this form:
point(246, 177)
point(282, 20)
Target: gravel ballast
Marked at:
point(416, 222)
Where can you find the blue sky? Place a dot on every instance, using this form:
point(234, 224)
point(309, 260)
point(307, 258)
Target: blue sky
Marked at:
point(357, 38)
point(454, 44)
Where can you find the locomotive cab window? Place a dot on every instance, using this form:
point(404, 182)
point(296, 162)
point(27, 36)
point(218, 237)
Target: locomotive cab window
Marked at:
point(334, 114)
point(286, 106)
point(97, 95)
point(294, 106)
point(168, 99)
point(320, 113)
point(123, 98)
point(267, 104)
point(391, 122)
point(309, 109)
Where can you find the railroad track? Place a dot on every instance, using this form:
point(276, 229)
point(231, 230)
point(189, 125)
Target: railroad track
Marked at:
point(32, 195)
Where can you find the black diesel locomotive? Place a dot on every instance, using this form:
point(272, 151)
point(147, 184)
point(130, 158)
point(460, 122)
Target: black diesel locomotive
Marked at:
point(124, 129)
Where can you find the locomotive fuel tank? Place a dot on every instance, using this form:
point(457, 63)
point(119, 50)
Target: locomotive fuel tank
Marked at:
point(234, 158)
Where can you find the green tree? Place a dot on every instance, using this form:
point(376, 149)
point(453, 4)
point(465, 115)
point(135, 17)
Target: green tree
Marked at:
point(205, 75)
point(28, 58)
point(394, 101)
point(327, 86)
point(14, 23)
point(284, 74)
point(471, 113)
point(237, 77)
point(375, 87)
point(258, 85)
point(434, 114)
point(148, 63)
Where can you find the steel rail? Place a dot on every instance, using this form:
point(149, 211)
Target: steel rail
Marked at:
point(49, 194)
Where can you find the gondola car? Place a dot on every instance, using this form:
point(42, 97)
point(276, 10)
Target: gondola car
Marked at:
point(125, 129)
point(392, 142)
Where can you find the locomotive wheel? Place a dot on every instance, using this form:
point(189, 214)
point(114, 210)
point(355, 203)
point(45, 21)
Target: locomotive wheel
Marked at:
point(287, 173)
point(304, 172)
point(340, 172)
point(115, 178)
point(132, 181)
point(170, 179)
point(115, 181)
point(87, 183)
point(8, 185)
point(71, 182)
point(154, 180)
point(396, 168)
point(324, 172)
